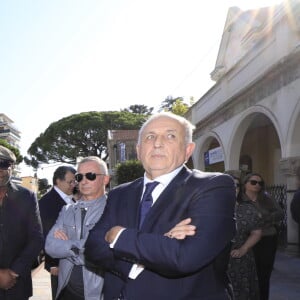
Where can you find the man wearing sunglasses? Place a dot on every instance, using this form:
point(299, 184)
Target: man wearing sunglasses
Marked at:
point(144, 259)
point(50, 205)
point(21, 237)
point(65, 241)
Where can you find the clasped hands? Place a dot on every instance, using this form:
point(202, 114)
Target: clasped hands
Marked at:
point(180, 231)
point(8, 279)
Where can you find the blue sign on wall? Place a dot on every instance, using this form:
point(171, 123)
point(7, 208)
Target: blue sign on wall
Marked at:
point(213, 156)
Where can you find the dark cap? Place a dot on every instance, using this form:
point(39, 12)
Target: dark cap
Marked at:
point(7, 155)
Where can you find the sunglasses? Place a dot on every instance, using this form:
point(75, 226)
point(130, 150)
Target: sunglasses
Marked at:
point(255, 182)
point(237, 185)
point(5, 164)
point(90, 176)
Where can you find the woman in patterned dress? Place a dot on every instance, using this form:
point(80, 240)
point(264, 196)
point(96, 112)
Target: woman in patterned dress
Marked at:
point(242, 269)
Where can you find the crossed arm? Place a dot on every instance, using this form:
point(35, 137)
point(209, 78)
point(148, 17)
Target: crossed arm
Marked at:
point(179, 249)
point(180, 231)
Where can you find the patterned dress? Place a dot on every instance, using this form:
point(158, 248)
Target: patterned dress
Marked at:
point(242, 271)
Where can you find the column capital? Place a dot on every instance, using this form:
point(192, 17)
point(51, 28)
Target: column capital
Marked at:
point(289, 165)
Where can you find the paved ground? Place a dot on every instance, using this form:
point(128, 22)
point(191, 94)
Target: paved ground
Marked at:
point(41, 284)
point(285, 281)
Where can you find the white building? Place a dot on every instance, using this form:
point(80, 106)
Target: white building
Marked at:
point(8, 131)
point(250, 119)
point(12, 136)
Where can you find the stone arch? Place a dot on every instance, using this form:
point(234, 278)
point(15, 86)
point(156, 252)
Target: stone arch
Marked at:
point(204, 145)
point(293, 136)
point(252, 119)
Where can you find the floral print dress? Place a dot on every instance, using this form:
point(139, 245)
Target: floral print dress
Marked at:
point(242, 271)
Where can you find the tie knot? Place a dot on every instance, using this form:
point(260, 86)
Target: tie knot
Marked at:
point(150, 186)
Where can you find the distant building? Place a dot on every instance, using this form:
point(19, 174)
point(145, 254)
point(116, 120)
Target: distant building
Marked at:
point(11, 135)
point(31, 183)
point(8, 131)
point(121, 146)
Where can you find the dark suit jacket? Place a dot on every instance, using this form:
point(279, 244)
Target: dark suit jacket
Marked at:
point(193, 268)
point(295, 206)
point(50, 206)
point(21, 238)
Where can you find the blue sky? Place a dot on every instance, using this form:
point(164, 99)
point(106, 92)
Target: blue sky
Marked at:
point(62, 57)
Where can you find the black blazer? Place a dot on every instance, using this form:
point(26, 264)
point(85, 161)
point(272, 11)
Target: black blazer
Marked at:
point(50, 205)
point(21, 238)
point(193, 268)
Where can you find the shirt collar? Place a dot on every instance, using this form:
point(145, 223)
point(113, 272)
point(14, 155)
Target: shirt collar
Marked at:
point(65, 197)
point(163, 179)
point(88, 203)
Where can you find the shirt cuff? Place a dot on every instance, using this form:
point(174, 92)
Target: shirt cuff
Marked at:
point(112, 245)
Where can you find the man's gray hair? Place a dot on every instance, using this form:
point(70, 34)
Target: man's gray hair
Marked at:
point(99, 161)
point(188, 126)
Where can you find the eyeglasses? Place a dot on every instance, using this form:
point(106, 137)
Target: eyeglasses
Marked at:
point(90, 176)
point(255, 182)
point(5, 164)
point(71, 182)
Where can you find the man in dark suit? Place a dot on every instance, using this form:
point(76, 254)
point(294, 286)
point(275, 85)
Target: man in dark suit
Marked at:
point(50, 205)
point(21, 237)
point(164, 257)
point(295, 204)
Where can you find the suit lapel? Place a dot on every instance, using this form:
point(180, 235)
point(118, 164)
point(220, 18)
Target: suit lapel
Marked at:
point(133, 196)
point(57, 200)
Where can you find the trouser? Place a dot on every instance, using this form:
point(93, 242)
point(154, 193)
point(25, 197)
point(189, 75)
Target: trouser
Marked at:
point(7, 295)
point(74, 290)
point(54, 284)
point(67, 294)
point(264, 253)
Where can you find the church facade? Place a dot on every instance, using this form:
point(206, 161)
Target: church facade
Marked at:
point(249, 121)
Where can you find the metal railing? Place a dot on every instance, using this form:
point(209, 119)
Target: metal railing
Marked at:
point(279, 193)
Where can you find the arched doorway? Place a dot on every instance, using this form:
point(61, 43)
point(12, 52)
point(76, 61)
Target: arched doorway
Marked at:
point(213, 156)
point(260, 149)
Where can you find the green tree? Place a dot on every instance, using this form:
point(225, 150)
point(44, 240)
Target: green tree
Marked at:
point(179, 107)
point(43, 186)
point(167, 104)
point(79, 135)
point(192, 101)
point(15, 150)
point(175, 105)
point(139, 109)
point(129, 171)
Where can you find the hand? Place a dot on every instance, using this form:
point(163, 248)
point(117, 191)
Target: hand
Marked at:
point(60, 234)
point(14, 274)
point(182, 230)
point(112, 233)
point(238, 253)
point(54, 271)
point(7, 279)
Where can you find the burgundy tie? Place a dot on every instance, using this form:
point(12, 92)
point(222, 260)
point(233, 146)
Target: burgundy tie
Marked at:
point(147, 201)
